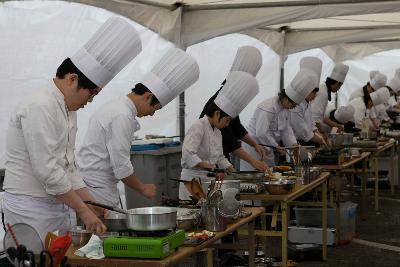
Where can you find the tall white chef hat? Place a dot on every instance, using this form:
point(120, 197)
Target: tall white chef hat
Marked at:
point(173, 74)
point(380, 96)
point(394, 84)
point(302, 84)
point(240, 88)
point(247, 59)
point(397, 73)
point(108, 51)
point(378, 81)
point(312, 63)
point(372, 74)
point(344, 114)
point(339, 72)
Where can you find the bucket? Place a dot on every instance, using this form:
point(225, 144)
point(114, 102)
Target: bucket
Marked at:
point(212, 219)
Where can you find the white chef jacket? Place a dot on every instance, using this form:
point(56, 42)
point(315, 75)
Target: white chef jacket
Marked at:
point(40, 162)
point(357, 93)
point(40, 159)
point(301, 121)
point(360, 111)
point(319, 103)
point(269, 125)
point(202, 143)
point(379, 112)
point(104, 156)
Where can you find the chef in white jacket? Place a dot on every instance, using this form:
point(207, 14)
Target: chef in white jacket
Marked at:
point(332, 84)
point(301, 119)
point(202, 146)
point(337, 116)
point(41, 181)
point(270, 123)
point(104, 157)
point(362, 105)
point(377, 80)
point(378, 113)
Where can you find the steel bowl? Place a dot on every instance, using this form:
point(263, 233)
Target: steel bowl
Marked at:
point(115, 221)
point(279, 187)
point(248, 175)
point(80, 237)
point(152, 218)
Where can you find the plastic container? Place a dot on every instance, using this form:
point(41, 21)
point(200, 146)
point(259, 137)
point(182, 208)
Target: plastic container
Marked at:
point(312, 217)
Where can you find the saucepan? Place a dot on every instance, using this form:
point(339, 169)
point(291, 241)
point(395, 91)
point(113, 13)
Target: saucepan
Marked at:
point(146, 219)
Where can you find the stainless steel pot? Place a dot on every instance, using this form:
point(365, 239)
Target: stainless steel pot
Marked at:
point(115, 221)
point(336, 139)
point(347, 139)
point(248, 175)
point(146, 219)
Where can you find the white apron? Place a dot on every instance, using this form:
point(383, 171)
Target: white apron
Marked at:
point(43, 214)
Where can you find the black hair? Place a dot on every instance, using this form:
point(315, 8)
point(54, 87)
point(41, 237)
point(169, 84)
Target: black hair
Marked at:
point(67, 66)
point(330, 82)
point(366, 96)
point(212, 108)
point(140, 89)
point(282, 95)
point(315, 90)
point(332, 116)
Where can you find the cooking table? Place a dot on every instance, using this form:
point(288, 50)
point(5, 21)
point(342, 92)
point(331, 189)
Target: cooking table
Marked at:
point(182, 252)
point(285, 201)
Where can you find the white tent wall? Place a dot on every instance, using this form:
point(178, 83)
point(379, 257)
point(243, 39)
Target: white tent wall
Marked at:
point(35, 39)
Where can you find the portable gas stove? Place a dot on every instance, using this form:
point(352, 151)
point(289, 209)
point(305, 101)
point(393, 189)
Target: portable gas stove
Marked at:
point(327, 157)
point(151, 245)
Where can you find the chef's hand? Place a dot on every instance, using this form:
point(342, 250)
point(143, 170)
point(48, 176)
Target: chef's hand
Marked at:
point(92, 222)
point(261, 151)
point(149, 190)
point(260, 165)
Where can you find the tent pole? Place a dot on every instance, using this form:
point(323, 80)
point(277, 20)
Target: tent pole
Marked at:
point(282, 59)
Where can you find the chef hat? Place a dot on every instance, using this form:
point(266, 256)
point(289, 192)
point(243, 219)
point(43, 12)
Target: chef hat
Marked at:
point(394, 84)
point(380, 96)
point(372, 74)
point(339, 72)
point(173, 74)
point(247, 59)
point(344, 114)
point(312, 63)
point(240, 88)
point(108, 51)
point(378, 81)
point(302, 84)
point(397, 73)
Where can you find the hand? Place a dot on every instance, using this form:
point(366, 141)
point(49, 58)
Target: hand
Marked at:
point(92, 222)
point(100, 212)
point(320, 140)
point(260, 165)
point(149, 190)
point(261, 151)
point(230, 169)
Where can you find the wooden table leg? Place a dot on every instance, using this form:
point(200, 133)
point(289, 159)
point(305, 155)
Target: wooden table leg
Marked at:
point(376, 161)
point(324, 221)
point(364, 190)
point(392, 163)
point(338, 186)
point(210, 257)
point(252, 241)
point(284, 208)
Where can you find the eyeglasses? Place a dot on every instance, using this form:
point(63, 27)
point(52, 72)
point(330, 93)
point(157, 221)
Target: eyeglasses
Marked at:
point(93, 92)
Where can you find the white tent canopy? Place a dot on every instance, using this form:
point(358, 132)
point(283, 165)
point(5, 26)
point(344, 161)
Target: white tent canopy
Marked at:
point(308, 24)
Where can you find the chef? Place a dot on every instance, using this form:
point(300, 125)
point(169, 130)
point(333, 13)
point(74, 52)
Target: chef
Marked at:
point(41, 182)
point(378, 113)
point(202, 146)
point(336, 118)
point(362, 106)
point(247, 59)
point(377, 80)
point(104, 157)
point(301, 119)
point(270, 123)
point(332, 85)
